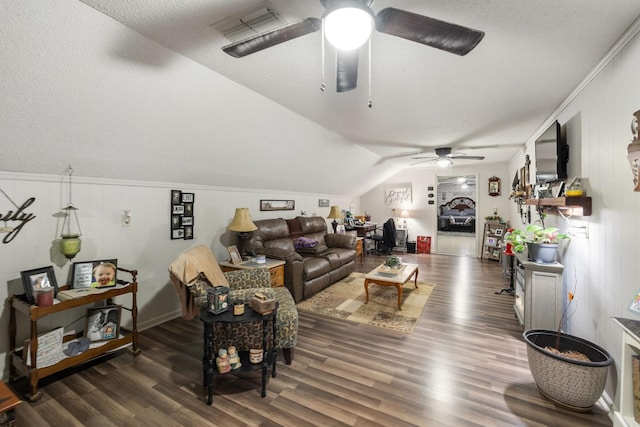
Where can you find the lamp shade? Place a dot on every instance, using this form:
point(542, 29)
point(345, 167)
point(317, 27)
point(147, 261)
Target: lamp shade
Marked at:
point(404, 214)
point(335, 212)
point(242, 221)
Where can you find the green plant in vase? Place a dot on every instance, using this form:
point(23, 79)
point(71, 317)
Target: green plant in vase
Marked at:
point(542, 243)
point(393, 262)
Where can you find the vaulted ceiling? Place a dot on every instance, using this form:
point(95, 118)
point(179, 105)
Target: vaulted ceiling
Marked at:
point(533, 56)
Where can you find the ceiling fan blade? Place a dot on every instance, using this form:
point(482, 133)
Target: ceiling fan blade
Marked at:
point(424, 161)
point(467, 157)
point(428, 31)
point(271, 38)
point(423, 158)
point(346, 70)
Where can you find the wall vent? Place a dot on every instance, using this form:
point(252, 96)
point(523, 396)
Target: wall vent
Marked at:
point(250, 22)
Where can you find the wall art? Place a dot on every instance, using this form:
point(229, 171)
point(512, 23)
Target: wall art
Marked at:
point(398, 196)
point(277, 205)
point(182, 221)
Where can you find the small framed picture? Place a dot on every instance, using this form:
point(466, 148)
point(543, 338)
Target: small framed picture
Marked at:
point(188, 232)
point(557, 188)
point(103, 323)
point(177, 233)
point(187, 197)
point(175, 221)
point(235, 255)
point(178, 209)
point(37, 279)
point(176, 197)
point(187, 220)
point(94, 274)
point(492, 241)
point(323, 203)
point(498, 232)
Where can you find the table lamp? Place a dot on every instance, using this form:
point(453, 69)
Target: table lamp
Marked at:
point(243, 225)
point(334, 213)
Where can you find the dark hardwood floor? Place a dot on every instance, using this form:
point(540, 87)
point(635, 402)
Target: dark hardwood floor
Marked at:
point(465, 364)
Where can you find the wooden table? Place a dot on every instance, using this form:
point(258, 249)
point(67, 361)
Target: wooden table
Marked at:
point(275, 266)
point(385, 277)
point(8, 402)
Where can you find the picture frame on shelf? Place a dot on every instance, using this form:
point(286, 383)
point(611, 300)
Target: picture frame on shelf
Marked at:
point(492, 241)
point(37, 279)
point(498, 232)
point(234, 254)
point(94, 274)
point(103, 323)
point(556, 188)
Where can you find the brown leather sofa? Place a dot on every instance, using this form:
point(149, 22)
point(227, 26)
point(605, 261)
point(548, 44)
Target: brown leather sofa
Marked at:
point(308, 270)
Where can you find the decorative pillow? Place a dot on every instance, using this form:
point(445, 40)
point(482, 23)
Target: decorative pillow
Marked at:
point(468, 220)
point(451, 212)
point(304, 242)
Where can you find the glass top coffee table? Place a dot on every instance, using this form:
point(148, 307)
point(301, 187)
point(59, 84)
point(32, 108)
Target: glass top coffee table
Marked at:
point(385, 276)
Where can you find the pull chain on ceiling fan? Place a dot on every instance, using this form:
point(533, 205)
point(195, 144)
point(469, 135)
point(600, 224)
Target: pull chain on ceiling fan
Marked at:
point(410, 26)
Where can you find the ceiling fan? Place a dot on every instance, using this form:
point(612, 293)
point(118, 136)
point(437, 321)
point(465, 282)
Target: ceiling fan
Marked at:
point(445, 157)
point(407, 25)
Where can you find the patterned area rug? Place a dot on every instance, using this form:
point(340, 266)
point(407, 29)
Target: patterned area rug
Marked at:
point(345, 300)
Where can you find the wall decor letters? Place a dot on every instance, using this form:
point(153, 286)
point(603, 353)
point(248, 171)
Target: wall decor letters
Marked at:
point(397, 196)
point(19, 215)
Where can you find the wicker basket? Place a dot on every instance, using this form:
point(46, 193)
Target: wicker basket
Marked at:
point(574, 384)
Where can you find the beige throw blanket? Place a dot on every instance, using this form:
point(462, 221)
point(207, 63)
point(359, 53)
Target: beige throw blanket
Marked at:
point(187, 268)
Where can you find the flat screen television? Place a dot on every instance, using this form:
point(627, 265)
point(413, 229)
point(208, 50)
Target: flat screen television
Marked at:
point(552, 155)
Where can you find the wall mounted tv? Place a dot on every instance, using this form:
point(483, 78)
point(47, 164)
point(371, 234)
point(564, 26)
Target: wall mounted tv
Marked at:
point(552, 155)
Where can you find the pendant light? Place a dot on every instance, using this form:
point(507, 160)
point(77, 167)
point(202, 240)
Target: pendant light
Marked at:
point(70, 237)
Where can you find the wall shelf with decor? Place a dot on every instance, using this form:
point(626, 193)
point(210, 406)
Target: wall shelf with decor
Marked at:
point(492, 240)
point(578, 206)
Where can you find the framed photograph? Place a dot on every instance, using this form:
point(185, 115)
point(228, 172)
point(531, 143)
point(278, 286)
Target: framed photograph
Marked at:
point(187, 197)
point(235, 255)
point(36, 279)
point(188, 232)
point(277, 205)
point(188, 209)
point(94, 274)
point(556, 188)
point(494, 186)
point(492, 241)
point(178, 210)
point(498, 232)
point(176, 197)
point(175, 221)
point(323, 203)
point(177, 233)
point(187, 220)
point(103, 323)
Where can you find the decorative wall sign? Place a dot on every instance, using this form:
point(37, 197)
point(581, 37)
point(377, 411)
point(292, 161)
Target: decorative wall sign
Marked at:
point(182, 221)
point(397, 196)
point(19, 216)
point(494, 186)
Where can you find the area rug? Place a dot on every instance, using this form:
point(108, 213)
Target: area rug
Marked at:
point(345, 300)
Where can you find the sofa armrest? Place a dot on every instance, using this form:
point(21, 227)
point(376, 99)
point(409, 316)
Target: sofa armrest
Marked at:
point(251, 278)
point(279, 253)
point(335, 240)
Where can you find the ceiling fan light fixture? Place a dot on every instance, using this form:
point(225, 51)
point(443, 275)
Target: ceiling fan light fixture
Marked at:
point(443, 162)
point(348, 28)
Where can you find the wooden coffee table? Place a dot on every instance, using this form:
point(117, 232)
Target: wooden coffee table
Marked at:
point(386, 277)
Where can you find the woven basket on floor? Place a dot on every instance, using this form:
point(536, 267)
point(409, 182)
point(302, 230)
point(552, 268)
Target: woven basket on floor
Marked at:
point(574, 384)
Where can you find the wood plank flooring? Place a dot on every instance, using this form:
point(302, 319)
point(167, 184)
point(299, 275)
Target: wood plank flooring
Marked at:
point(465, 364)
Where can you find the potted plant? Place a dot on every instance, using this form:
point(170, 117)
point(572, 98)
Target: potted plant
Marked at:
point(393, 262)
point(568, 370)
point(541, 243)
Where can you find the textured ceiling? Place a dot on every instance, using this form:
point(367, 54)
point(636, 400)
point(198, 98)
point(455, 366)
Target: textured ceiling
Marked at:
point(533, 56)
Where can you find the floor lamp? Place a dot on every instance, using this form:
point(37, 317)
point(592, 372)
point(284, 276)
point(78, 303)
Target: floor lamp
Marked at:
point(243, 225)
point(334, 214)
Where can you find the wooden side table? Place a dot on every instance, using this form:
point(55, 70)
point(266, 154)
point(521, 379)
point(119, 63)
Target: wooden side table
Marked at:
point(209, 353)
point(360, 249)
point(275, 266)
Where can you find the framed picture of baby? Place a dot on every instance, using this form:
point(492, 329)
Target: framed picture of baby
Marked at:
point(37, 280)
point(94, 274)
point(103, 323)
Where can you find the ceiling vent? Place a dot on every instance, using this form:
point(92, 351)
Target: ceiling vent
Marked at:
point(250, 22)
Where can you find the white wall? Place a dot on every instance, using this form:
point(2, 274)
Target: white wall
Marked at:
point(144, 245)
point(603, 268)
point(423, 220)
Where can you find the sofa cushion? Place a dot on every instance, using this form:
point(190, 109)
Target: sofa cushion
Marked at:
point(294, 228)
point(312, 224)
point(316, 250)
point(315, 267)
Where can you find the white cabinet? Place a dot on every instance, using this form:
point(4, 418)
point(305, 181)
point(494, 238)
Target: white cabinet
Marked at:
point(538, 293)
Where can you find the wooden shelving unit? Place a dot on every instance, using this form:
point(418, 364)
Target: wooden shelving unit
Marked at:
point(492, 241)
point(578, 206)
point(34, 313)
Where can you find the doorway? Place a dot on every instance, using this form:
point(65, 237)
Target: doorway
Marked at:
point(456, 211)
